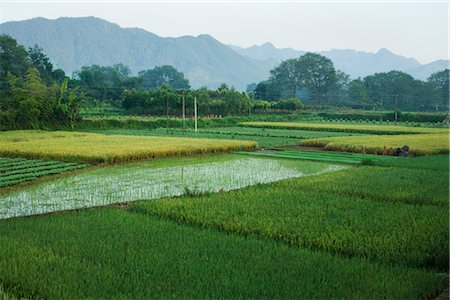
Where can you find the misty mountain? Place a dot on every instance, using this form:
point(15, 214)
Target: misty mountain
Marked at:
point(355, 63)
point(71, 43)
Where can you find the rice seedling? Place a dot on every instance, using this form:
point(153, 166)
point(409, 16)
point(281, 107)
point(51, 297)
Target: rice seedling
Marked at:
point(97, 148)
point(142, 181)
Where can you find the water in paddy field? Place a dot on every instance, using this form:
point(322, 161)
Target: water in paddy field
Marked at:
point(146, 181)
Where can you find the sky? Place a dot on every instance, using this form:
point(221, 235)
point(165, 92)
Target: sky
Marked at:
point(418, 29)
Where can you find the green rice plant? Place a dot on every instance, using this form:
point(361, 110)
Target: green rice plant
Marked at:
point(146, 180)
point(299, 214)
point(409, 186)
point(97, 148)
point(110, 253)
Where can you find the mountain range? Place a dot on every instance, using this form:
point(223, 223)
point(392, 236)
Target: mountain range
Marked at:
point(71, 43)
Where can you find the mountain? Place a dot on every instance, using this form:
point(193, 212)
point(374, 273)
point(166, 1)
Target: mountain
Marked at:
point(71, 43)
point(355, 63)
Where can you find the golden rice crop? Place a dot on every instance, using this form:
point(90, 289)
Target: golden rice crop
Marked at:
point(98, 148)
point(361, 128)
point(419, 144)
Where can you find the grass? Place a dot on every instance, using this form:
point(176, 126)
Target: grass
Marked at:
point(98, 148)
point(356, 128)
point(112, 253)
point(419, 144)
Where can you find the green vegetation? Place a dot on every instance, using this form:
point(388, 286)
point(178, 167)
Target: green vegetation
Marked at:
point(266, 138)
point(17, 170)
point(356, 128)
point(410, 186)
point(153, 180)
point(302, 215)
point(98, 148)
point(327, 156)
point(139, 256)
point(419, 144)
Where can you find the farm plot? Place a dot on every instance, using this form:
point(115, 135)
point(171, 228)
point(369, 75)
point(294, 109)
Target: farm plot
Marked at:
point(419, 144)
point(344, 221)
point(149, 180)
point(111, 253)
point(356, 128)
point(97, 148)
point(335, 157)
point(18, 170)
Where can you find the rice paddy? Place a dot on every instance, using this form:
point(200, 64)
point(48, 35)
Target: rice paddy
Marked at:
point(97, 148)
point(355, 128)
point(282, 223)
point(419, 144)
point(145, 181)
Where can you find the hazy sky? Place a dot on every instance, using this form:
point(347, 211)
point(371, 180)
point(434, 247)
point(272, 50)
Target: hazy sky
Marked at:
point(416, 29)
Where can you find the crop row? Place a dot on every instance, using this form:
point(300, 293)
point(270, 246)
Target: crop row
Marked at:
point(26, 164)
point(23, 175)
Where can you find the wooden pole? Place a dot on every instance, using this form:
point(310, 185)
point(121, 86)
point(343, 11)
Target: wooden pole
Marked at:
point(184, 114)
point(167, 113)
point(195, 112)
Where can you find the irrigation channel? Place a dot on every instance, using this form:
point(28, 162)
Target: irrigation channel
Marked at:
point(152, 180)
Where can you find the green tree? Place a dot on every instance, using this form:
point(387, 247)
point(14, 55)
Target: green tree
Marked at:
point(439, 81)
point(318, 75)
point(289, 75)
point(13, 58)
point(155, 78)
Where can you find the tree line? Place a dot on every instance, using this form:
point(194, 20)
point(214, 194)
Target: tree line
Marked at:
point(314, 79)
point(32, 93)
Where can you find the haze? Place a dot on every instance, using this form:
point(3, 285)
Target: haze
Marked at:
point(413, 29)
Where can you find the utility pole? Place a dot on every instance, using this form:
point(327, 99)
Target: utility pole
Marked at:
point(396, 116)
point(167, 113)
point(195, 113)
point(184, 114)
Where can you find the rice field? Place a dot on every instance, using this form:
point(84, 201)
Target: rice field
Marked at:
point(355, 128)
point(18, 170)
point(137, 181)
point(98, 148)
point(419, 144)
point(327, 156)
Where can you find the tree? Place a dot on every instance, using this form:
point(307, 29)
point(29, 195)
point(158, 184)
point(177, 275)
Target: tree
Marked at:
point(155, 78)
point(42, 63)
point(288, 75)
point(13, 58)
point(439, 81)
point(318, 74)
